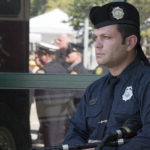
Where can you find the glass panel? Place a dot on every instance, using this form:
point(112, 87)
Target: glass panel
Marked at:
point(61, 42)
point(50, 114)
point(17, 103)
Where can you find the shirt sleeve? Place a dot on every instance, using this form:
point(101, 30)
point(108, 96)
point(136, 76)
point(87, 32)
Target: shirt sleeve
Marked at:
point(77, 133)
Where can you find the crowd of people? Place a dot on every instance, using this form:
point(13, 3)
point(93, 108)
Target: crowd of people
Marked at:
point(55, 107)
point(68, 53)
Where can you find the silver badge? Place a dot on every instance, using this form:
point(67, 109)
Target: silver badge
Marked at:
point(118, 13)
point(128, 93)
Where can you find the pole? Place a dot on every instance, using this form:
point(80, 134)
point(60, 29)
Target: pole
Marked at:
point(86, 40)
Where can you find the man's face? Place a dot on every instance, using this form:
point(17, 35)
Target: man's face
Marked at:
point(38, 61)
point(62, 42)
point(108, 46)
point(46, 58)
point(72, 57)
point(43, 58)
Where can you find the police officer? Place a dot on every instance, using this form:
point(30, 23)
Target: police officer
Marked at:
point(63, 41)
point(125, 91)
point(54, 107)
point(47, 55)
point(74, 58)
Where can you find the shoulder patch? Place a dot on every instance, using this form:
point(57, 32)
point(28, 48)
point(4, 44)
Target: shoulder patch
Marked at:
point(99, 70)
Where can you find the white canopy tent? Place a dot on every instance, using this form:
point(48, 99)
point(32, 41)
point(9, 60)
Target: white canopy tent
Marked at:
point(49, 25)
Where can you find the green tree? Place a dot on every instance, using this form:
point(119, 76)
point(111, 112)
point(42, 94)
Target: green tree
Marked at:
point(62, 4)
point(41, 6)
point(143, 7)
point(37, 7)
point(79, 9)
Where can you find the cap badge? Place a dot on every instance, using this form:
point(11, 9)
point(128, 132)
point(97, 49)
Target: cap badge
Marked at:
point(128, 93)
point(118, 13)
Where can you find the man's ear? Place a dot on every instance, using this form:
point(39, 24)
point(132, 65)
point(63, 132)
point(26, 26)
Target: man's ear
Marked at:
point(131, 42)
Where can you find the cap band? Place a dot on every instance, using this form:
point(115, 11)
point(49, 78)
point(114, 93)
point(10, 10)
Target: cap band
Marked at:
point(108, 22)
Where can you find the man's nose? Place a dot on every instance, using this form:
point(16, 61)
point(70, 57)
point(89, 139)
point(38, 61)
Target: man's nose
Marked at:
point(57, 41)
point(98, 43)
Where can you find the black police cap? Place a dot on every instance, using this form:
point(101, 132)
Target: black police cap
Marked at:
point(74, 48)
point(114, 13)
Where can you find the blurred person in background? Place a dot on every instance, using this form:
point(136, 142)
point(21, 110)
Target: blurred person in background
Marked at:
point(47, 56)
point(39, 65)
point(74, 59)
point(32, 65)
point(63, 41)
point(54, 107)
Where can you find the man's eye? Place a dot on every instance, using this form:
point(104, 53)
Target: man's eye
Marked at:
point(107, 37)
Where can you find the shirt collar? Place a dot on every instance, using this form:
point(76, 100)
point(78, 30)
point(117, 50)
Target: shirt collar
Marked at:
point(127, 72)
point(129, 69)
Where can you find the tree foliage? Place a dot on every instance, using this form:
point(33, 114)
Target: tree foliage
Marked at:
point(62, 4)
point(37, 7)
point(79, 9)
point(76, 9)
point(41, 6)
point(143, 8)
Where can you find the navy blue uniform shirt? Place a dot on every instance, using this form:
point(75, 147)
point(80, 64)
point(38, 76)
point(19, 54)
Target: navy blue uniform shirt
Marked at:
point(132, 94)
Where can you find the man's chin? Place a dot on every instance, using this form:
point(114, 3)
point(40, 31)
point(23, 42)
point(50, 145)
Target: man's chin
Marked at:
point(100, 62)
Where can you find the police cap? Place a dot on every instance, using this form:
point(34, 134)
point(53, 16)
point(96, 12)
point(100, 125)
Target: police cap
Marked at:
point(46, 48)
point(74, 48)
point(114, 13)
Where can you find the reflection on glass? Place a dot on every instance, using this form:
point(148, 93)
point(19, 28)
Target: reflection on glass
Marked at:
point(51, 111)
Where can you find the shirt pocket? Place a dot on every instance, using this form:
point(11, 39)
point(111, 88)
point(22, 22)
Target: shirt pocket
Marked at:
point(128, 107)
point(93, 114)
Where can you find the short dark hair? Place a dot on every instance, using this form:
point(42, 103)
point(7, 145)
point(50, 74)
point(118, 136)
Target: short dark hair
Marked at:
point(128, 30)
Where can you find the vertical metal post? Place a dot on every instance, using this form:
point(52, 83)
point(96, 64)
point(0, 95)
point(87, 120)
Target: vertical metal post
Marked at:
point(86, 40)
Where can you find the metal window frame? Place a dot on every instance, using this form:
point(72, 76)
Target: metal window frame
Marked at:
point(45, 81)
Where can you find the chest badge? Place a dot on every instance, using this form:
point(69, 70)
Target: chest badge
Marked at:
point(128, 93)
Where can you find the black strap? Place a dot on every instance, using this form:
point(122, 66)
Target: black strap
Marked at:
point(142, 56)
